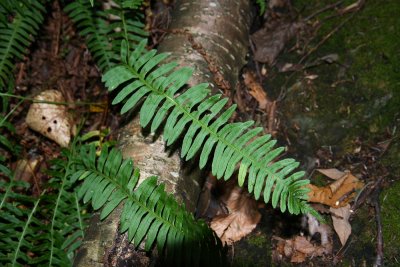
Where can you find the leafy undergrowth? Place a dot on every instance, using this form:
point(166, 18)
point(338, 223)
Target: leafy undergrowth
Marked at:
point(340, 115)
point(42, 219)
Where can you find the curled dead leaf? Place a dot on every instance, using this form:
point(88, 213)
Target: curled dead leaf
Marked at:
point(333, 173)
point(26, 169)
point(256, 90)
point(51, 120)
point(341, 224)
point(299, 248)
point(243, 217)
point(336, 194)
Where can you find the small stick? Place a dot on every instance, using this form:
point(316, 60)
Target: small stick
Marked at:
point(379, 236)
point(334, 5)
point(253, 49)
point(329, 35)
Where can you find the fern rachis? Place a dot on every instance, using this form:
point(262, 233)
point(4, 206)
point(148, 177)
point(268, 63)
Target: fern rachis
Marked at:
point(147, 209)
point(232, 143)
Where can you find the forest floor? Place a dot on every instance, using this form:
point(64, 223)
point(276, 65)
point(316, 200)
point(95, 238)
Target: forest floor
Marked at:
point(330, 96)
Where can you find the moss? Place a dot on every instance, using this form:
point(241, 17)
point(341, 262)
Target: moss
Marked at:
point(254, 250)
point(356, 97)
point(258, 240)
point(391, 224)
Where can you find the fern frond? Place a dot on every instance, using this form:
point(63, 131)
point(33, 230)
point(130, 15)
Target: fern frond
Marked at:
point(67, 222)
point(148, 212)
point(132, 4)
point(46, 231)
point(262, 5)
point(18, 226)
point(104, 29)
point(141, 76)
point(17, 34)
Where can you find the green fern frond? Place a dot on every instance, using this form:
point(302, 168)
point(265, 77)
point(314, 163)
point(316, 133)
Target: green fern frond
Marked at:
point(262, 5)
point(148, 213)
point(67, 222)
point(104, 29)
point(141, 76)
point(18, 226)
point(132, 4)
point(20, 22)
point(45, 231)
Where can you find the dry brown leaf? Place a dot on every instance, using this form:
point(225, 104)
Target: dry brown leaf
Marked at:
point(270, 40)
point(336, 194)
point(242, 218)
point(26, 169)
point(256, 90)
point(340, 219)
point(299, 248)
point(51, 120)
point(334, 173)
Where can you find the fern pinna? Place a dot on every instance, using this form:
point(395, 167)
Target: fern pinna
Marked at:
point(19, 23)
point(104, 29)
point(40, 231)
point(149, 213)
point(141, 76)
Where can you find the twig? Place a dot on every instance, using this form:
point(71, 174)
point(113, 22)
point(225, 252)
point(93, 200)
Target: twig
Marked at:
point(340, 254)
point(334, 5)
point(366, 193)
point(329, 35)
point(253, 49)
point(379, 236)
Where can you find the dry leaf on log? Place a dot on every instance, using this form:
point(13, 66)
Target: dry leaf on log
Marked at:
point(51, 120)
point(338, 193)
point(242, 218)
point(340, 219)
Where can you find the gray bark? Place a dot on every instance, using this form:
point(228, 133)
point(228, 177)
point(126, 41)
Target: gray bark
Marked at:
point(221, 28)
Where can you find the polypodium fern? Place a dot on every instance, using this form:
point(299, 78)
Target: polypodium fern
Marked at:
point(104, 29)
point(42, 231)
point(19, 23)
point(148, 213)
point(142, 77)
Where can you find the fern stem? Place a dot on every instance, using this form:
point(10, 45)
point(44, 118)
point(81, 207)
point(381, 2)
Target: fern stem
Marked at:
point(253, 161)
point(24, 98)
point(78, 212)
point(7, 52)
point(26, 226)
point(132, 198)
point(10, 112)
point(53, 220)
point(10, 185)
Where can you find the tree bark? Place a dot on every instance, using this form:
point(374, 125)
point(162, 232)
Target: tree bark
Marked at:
point(211, 37)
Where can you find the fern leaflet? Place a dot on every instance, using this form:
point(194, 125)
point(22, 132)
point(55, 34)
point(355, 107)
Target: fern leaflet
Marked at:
point(141, 76)
point(16, 35)
point(104, 29)
point(148, 212)
point(43, 231)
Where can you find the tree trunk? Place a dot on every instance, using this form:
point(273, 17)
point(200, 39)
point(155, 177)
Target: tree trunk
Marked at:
point(211, 37)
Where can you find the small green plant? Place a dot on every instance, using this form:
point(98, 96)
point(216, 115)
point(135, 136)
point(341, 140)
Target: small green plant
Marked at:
point(148, 213)
point(141, 76)
point(262, 6)
point(48, 229)
point(19, 23)
point(44, 230)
